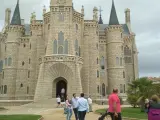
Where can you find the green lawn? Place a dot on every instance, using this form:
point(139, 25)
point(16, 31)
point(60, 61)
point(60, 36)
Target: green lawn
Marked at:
point(129, 112)
point(19, 117)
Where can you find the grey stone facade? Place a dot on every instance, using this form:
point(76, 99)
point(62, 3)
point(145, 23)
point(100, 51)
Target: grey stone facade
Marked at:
point(65, 50)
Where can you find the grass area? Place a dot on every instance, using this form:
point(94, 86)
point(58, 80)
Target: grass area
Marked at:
point(129, 112)
point(19, 117)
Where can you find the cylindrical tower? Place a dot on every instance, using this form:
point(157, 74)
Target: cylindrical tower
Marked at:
point(7, 16)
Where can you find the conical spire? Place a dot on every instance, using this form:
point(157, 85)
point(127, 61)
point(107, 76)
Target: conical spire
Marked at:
point(16, 19)
point(100, 17)
point(113, 16)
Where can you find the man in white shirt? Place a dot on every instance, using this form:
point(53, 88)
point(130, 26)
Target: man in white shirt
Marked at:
point(83, 107)
point(90, 104)
point(62, 92)
point(74, 105)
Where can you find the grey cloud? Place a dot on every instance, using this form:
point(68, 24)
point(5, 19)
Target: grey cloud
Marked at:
point(145, 21)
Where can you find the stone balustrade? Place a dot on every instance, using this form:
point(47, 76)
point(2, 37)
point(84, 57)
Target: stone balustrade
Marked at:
point(61, 58)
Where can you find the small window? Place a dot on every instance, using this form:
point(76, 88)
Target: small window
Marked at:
point(97, 46)
point(123, 74)
point(2, 90)
point(5, 89)
point(3, 75)
point(27, 90)
point(97, 61)
point(97, 74)
point(49, 27)
point(98, 88)
point(9, 61)
point(30, 46)
point(124, 88)
point(76, 27)
point(5, 48)
point(29, 61)
point(121, 61)
point(28, 74)
point(121, 35)
point(21, 85)
point(23, 63)
point(24, 45)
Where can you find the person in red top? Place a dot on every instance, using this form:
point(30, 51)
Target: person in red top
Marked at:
point(114, 105)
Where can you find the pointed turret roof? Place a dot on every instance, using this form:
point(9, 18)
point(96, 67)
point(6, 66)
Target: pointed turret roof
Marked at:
point(16, 19)
point(113, 16)
point(100, 19)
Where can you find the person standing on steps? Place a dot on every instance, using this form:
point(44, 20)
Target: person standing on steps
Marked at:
point(83, 107)
point(58, 101)
point(74, 105)
point(114, 105)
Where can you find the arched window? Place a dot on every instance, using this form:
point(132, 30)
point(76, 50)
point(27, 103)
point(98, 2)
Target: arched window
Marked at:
point(28, 74)
point(30, 46)
point(102, 63)
point(27, 90)
point(121, 88)
point(24, 45)
point(117, 60)
point(76, 27)
point(76, 47)
point(55, 47)
point(5, 89)
point(23, 63)
point(66, 47)
point(60, 50)
point(124, 88)
point(29, 60)
point(60, 38)
point(6, 62)
point(98, 89)
point(97, 74)
point(97, 61)
point(9, 61)
point(48, 26)
point(21, 85)
point(103, 89)
point(79, 51)
point(3, 75)
point(123, 74)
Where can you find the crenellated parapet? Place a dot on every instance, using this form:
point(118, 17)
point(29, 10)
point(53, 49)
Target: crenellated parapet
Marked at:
point(91, 23)
point(112, 28)
point(24, 40)
point(36, 25)
point(46, 18)
point(15, 28)
point(77, 17)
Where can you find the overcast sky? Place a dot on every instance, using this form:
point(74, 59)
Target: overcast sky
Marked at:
point(145, 21)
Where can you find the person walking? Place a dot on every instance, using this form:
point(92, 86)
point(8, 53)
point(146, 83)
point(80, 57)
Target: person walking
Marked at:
point(114, 105)
point(58, 101)
point(74, 105)
point(69, 108)
point(83, 107)
point(90, 104)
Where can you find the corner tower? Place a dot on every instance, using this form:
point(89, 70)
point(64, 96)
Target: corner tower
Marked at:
point(15, 30)
point(116, 69)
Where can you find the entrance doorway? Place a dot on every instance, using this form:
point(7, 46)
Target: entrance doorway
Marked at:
point(61, 84)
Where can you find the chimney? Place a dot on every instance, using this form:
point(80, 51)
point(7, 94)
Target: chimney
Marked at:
point(7, 16)
point(22, 21)
point(127, 18)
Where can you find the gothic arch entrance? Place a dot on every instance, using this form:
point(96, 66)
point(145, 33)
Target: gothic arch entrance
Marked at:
point(61, 83)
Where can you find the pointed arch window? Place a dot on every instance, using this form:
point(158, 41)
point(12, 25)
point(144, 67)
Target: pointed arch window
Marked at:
point(9, 61)
point(76, 47)
point(98, 88)
point(121, 61)
point(60, 38)
point(60, 50)
point(5, 89)
point(123, 74)
point(27, 90)
point(66, 47)
point(103, 89)
point(102, 63)
point(121, 88)
point(55, 47)
point(28, 74)
point(97, 61)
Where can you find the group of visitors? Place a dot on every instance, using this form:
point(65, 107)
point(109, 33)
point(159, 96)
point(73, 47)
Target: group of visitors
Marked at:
point(79, 105)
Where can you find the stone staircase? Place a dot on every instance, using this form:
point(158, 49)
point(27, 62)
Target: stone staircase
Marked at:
point(49, 103)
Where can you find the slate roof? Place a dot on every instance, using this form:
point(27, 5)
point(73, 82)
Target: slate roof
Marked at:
point(100, 20)
point(16, 19)
point(125, 28)
point(113, 15)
